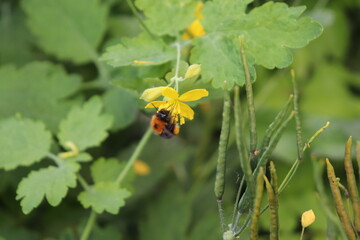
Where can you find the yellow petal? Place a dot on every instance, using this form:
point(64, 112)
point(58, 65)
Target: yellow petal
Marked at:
point(196, 29)
point(307, 218)
point(155, 104)
point(170, 93)
point(151, 94)
point(186, 111)
point(141, 168)
point(198, 10)
point(193, 95)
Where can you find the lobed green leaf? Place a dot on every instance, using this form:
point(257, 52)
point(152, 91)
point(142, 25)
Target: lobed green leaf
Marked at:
point(85, 126)
point(22, 142)
point(51, 182)
point(268, 32)
point(70, 30)
point(140, 51)
point(104, 196)
point(167, 16)
point(220, 60)
point(39, 90)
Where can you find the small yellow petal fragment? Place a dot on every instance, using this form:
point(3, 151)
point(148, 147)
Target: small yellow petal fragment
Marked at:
point(74, 151)
point(151, 94)
point(141, 168)
point(142, 62)
point(307, 218)
point(193, 71)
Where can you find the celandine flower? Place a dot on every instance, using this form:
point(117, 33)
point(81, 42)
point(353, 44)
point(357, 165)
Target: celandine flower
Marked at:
point(195, 29)
point(173, 102)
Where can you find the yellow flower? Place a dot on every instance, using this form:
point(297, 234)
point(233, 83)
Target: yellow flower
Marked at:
point(141, 168)
point(175, 103)
point(195, 29)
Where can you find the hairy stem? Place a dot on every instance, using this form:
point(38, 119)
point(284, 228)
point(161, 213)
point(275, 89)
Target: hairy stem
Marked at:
point(134, 156)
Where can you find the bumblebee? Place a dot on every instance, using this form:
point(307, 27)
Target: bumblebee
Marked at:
point(164, 124)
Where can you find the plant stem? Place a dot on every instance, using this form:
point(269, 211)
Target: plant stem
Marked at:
point(250, 99)
point(55, 158)
point(299, 139)
point(302, 233)
point(89, 225)
point(82, 181)
point(135, 155)
point(137, 15)
point(177, 66)
point(295, 165)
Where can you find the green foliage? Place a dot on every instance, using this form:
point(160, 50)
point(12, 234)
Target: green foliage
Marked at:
point(140, 51)
point(107, 170)
point(39, 90)
point(170, 217)
point(83, 133)
point(51, 182)
point(16, 40)
point(67, 29)
point(167, 16)
point(22, 142)
point(225, 50)
point(124, 111)
point(267, 31)
point(71, 96)
point(104, 196)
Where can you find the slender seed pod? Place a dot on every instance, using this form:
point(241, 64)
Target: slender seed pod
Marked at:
point(273, 205)
point(257, 204)
point(244, 160)
point(358, 155)
point(250, 99)
point(274, 178)
point(299, 138)
point(354, 194)
point(344, 218)
point(246, 199)
point(280, 117)
point(223, 141)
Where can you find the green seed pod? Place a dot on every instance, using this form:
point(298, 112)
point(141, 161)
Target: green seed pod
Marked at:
point(344, 218)
point(223, 142)
point(353, 191)
point(257, 204)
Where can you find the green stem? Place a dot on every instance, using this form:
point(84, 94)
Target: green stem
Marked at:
point(177, 66)
point(134, 156)
point(137, 15)
point(89, 225)
point(82, 182)
point(299, 139)
point(250, 99)
point(55, 158)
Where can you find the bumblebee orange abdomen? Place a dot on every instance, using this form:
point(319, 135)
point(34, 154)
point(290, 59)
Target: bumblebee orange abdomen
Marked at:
point(157, 125)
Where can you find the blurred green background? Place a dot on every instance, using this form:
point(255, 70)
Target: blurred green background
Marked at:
point(176, 200)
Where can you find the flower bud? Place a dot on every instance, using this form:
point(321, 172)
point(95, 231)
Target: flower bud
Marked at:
point(307, 218)
point(151, 94)
point(193, 71)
